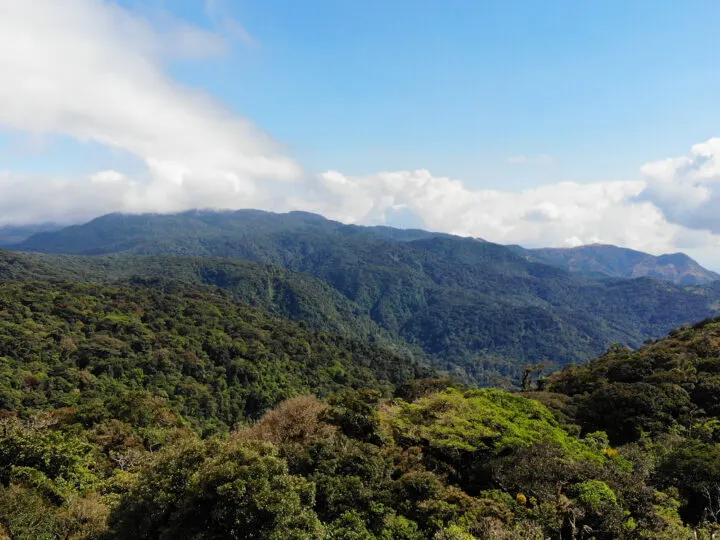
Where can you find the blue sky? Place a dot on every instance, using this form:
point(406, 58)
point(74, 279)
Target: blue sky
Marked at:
point(458, 87)
point(541, 123)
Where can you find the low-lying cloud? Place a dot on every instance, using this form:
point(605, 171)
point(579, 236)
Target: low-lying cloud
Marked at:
point(560, 214)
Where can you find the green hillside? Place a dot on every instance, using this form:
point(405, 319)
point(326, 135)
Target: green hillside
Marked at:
point(217, 362)
point(479, 310)
point(283, 292)
point(474, 335)
point(115, 419)
point(670, 384)
point(161, 407)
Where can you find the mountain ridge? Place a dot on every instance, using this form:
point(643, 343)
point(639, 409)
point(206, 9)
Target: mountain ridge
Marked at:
point(596, 260)
point(475, 307)
point(607, 260)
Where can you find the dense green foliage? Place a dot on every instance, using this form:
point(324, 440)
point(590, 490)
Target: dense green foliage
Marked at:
point(477, 309)
point(669, 385)
point(127, 412)
point(285, 293)
point(663, 399)
point(455, 465)
point(215, 361)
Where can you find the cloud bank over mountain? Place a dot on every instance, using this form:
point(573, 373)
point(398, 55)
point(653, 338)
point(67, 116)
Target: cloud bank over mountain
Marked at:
point(94, 71)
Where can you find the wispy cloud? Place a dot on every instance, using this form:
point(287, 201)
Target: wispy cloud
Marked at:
point(540, 159)
point(218, 11)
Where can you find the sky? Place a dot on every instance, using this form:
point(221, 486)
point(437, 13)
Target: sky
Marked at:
point(555, 123)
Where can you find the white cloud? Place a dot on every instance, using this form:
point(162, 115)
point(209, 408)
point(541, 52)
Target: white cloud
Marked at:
point(561, 214)
point(687, 189)
point(93, 71)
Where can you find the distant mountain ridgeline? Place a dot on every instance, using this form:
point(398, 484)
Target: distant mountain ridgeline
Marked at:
point(10, 235)
point(479, 310)
point(603, 261)
point(227, 234)
point(238, 234)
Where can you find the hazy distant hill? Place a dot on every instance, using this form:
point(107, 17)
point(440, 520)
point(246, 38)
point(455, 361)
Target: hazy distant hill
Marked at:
point(10, 234)
point(600, 260)
point(475, 307)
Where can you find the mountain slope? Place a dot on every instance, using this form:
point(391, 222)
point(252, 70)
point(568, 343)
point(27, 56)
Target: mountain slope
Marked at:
point(669, 384)
point(285, 293)
point(611, 261)
point(216, 361)
point(17, 266)
point(470, 333)
point(477, 308)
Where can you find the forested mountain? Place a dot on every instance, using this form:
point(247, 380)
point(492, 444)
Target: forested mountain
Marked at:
point(477, 309)
point(216, 361)
point(282, 292)
point(240, 234)
point(469, 332)
point(127, 412)
point(156, 396)
point(604, 261)
point(668, 385)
